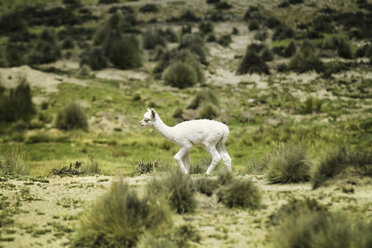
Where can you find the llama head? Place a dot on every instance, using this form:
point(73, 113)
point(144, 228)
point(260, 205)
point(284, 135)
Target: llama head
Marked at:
point(149, 118)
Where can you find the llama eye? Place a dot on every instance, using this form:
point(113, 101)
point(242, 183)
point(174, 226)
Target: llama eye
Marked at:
point(147, 120)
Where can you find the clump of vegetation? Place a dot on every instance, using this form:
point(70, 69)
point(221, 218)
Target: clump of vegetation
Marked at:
point(204, 96)
point(149, 8)
point(153, 38)
point(120, 217)
point(306, 59)
point(195, 44)
point(180, 61)
point(178, 188)
point(224, 40)
point(206, 27)
point(178, 113)
point(224, 177)
point(91, 166)
point(252, 63)
point(311, 105)
point(208, 111)
point(46, 49)
point(94, 58)
point(17, 105)
point(12, 162)
point(71, 117)
point(180, 75)
point(146, 167)
point(206, 185)
point(122, 50)
point(337, 160)
point(240, 193)
point(314, 227)
point(295, 207)
point(288, 164)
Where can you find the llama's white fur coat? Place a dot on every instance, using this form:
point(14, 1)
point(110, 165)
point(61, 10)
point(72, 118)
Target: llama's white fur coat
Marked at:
point(209, 134)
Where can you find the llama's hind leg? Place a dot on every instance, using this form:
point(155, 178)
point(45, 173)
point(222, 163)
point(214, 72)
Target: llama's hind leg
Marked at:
point(216, 157)
point(186, 161)
point(224, 155)
point(178, 157)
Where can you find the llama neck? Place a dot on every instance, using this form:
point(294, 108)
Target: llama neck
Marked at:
point(164, 130)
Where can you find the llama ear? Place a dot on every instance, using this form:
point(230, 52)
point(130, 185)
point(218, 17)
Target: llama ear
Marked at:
point(153, 113)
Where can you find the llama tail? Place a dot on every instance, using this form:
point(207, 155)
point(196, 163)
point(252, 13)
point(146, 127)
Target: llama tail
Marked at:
point(225, 135)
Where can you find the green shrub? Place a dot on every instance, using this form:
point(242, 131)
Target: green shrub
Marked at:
point(283, 32)
point(17, 105)
point(224, 177)
point(306, 59)
point(290, 50)
point(344, 49)
point(149, 8)
point(337, 160)
point(267, 55)
point(252, 63)
point(206, 27)
point(124, 52)
point(71, 2)
point(12, 162)
point(195, 44)
point(200, 168)
point(94, 58)
point(170, 35)
point(235, 31)
point(224, 40)
point(107, 1)
point(177, 113)
point(46, 49)
point(208, 111)
point(202, 97)
point(253, 25)
point(146, 167)
point(288, 164)
point(311, 105)
point(206, 185)
point(223, 5)
point(15, 54)
point(180, 75)
point(71, 117)
point(120, 217)
point(240, 193)
point(320, 229)
point(91, 166)
point(178, 188)
point(295, 207)
point(153, 38)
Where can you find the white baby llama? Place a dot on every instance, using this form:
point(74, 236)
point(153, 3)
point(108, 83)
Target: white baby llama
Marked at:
point(209, 134)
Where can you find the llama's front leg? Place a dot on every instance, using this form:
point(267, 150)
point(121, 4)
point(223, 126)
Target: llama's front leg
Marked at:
point(215, 157)
point(178, 157)
point(186, 161)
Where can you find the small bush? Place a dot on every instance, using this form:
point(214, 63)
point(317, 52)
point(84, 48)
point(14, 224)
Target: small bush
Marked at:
point(177, 113)
point(202, 97)
point(235, 31)
point(306, 59)
point(283, 32)
point(146, 167)
point(224, 40)
point(124, 51)
point(180, 75)
point(12, 162)
point(195, 44)
point(311, 105)
point(206, 27)
point(295, 207)
point(208, 111)
point(224, 177)
point(290, 50)
point(170, 35)
point(206, 185)
point(68, 44)
point(120, 217)
point(267, 55)
point(320, 229)
point(71, 117)
point(178, 188)
point(288, 165)
point(153, 38)
point(253, 25)
point(240, 193)
point(149, 8)
point(200, 168)
point(252, 63)
point(107, 1)
point(17, 105)
point(337, 160)
point(344, 49)
point(94, 58)
point(223, 5)
point(91, 166)
point(46, 49)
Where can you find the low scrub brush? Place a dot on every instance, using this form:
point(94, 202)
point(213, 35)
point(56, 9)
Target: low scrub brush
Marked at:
point(120, 217)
